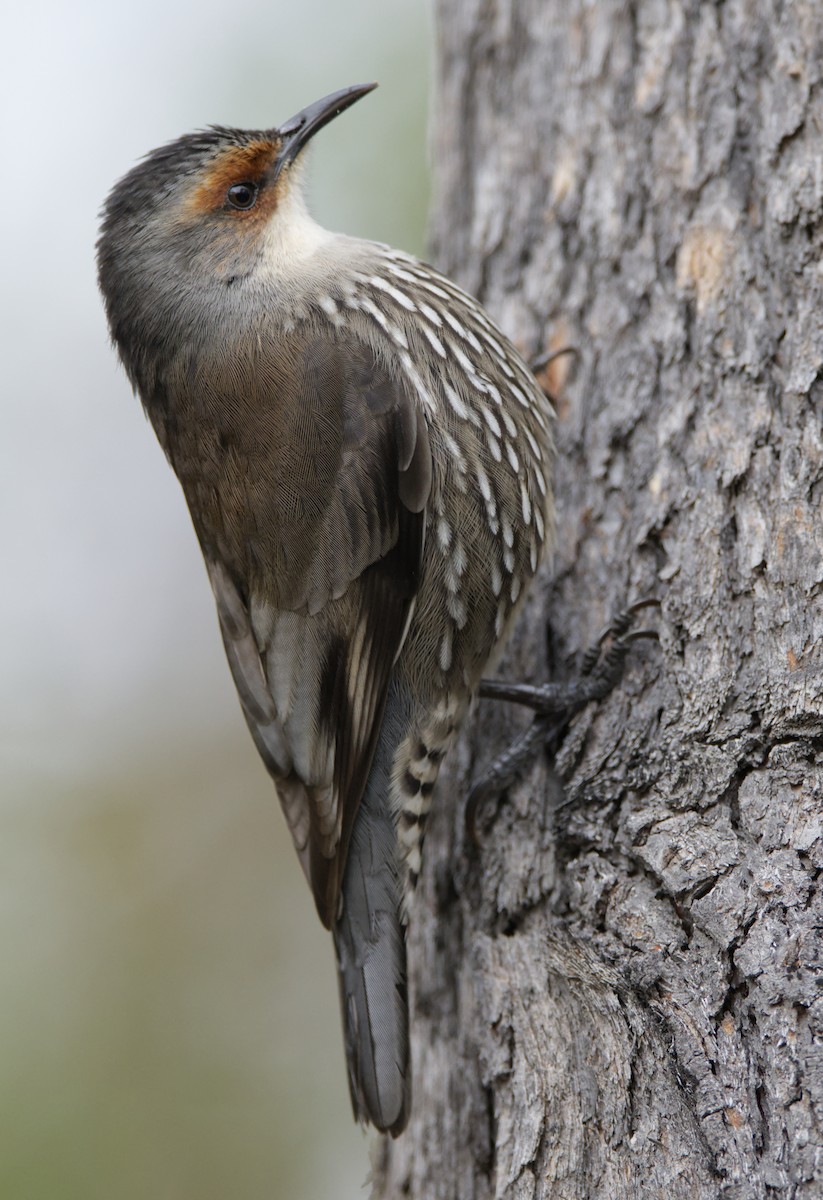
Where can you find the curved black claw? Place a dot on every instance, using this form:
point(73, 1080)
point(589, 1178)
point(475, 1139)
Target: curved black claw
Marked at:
point(600, 670)
point(618, 629)
point(538, 364)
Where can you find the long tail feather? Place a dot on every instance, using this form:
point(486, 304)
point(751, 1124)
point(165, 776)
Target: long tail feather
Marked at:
point(370, 941)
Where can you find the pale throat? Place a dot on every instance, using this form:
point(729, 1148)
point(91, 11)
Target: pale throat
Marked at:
point(291, 237)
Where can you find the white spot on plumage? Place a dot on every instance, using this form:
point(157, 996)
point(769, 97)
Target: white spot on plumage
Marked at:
point(425, 282)
point(492, 341)
point(482, 320)
point(463, 332)
point(533, 555)
point(508, 559)
point(434, 341)
point(508, 532)
point(455, 324)
point(488, 497)
point(399, 297)
point(485, 486)
point(431, 314)
point(408, 834)
point(456, 403)
point(511, 428)
point(459, 557)
point(525, 501)
point(416, 382)
point(538, 520)
point(473, 342)
point(457, 610)
point(494, 446)
point(491, 420)
point(396, 334)
point(468, 366)
point(511, 455)
point(515, 588)
point(519, 396)
point(535, 449)
point(497, 580)
point(426, 771)
point(414, 803)
point(494, 393)
point(446, 651)
point(444, 534)
point(457, 458)
point(401, 273)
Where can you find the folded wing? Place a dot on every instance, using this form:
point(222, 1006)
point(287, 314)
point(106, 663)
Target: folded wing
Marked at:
point(314, 615)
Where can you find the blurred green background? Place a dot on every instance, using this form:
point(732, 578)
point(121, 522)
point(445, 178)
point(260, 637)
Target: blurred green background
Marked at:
point(168, 1006)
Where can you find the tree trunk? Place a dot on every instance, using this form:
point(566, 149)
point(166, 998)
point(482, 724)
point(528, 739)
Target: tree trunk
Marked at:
point(614, 992)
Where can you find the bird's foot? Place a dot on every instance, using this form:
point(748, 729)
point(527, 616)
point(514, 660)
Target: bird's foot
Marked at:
point(554, 704)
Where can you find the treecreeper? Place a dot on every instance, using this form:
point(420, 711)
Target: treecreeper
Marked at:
point(368, 463)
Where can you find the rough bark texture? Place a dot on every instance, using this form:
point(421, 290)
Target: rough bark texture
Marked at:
point(615, 995)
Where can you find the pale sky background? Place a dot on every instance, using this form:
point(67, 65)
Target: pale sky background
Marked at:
point(168, 1007)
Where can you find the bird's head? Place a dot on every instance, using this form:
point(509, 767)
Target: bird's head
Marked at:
point(212, 208)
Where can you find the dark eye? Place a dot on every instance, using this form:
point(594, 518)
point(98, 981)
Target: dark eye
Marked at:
point(242, 195)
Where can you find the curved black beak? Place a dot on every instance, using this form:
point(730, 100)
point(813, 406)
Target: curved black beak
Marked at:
point(302, 127)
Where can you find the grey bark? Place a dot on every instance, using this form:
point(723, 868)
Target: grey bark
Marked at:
point(616, 993)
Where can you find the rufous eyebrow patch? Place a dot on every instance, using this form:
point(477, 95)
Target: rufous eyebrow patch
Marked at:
point(236, 164)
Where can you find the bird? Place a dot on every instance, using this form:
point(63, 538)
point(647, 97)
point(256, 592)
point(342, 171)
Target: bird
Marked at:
point(368, 462)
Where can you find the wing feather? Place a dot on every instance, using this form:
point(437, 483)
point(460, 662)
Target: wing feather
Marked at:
point(314, 615)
